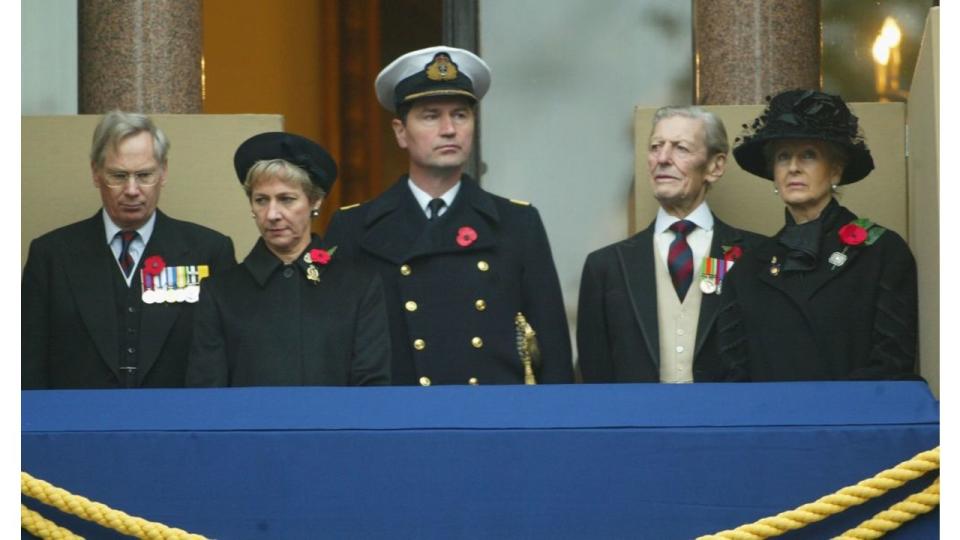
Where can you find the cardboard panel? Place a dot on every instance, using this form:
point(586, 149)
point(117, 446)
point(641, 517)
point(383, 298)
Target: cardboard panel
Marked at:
point(748, 201)
point(923, 167)
point(57, 186)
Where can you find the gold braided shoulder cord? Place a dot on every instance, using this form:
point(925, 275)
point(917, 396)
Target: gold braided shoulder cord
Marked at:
point(906, 510)
point(92, 511)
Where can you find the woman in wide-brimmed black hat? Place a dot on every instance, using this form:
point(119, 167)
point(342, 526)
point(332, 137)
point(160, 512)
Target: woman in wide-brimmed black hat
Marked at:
point(831, 295)
point(292, 313)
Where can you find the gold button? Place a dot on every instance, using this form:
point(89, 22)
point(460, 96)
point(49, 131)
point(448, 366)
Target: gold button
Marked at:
point(483, 266)
point(476, 342)
point(473, 381)
point(480, 305)
point(410, 305)
point(424, 381)
point(405, 270)
point(419, 344)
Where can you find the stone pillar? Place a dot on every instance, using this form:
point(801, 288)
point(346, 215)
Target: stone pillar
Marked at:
point(745, 50)
point(140, 55)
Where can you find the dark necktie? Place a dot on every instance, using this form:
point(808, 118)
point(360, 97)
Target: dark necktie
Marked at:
point(680, 258)
point(125, 259)
point(435, 205)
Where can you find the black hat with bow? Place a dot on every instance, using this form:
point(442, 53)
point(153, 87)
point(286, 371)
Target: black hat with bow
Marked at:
point(805, 114)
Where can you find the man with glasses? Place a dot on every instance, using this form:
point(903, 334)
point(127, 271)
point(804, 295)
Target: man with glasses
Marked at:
point(107, 302)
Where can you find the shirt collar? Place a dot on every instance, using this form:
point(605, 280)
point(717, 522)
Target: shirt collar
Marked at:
point(701, 216)
point(424, 198)
point(112, 229)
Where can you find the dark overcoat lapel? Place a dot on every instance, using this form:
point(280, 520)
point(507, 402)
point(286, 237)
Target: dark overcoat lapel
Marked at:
point(91, 278)
point(472, 208)
point(636, 264)
point(393, 224)
point(396, 231)
point(723, 236)
point(160, 318)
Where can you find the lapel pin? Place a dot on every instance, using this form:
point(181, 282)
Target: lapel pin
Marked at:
point(837, 259)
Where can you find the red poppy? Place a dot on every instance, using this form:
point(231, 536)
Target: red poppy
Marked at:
point(466, 236)
point(852, 234)
point(154, 265)
point(319, 256)
point(732, 253)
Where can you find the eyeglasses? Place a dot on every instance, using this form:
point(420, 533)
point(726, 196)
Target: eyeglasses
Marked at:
point(119, 179)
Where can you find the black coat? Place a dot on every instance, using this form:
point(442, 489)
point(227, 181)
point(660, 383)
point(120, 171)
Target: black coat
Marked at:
point(70, 329)
point(446, 294)
point(618, 337)
point(858, 321)
point(263, 323)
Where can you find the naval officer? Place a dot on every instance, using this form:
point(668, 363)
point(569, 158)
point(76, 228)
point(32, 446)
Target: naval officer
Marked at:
point(458, 263)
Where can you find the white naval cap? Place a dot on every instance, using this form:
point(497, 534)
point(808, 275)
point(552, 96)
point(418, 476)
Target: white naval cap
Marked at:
point(434, 71)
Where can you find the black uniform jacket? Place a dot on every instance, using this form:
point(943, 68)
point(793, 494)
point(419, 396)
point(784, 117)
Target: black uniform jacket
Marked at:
point(858, 321)
point(618, 337)
point(263, 323)
point(452, 304)
point(70, 330)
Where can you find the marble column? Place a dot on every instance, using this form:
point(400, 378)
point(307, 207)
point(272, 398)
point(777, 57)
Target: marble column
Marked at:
point(140, 55)
point(745, 50)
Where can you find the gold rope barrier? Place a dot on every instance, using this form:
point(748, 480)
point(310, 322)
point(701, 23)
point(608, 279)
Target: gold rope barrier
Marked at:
point(42, 527)
point(835, 503)
point(898, 514)
point(98, 513)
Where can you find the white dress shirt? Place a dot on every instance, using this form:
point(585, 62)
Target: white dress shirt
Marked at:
point(698, 239)
point(424, 198)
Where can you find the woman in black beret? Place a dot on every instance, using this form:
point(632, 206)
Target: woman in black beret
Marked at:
point(292, 314)
point(831, 296)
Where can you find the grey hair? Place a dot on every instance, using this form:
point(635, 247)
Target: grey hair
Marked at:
point(713, 128)
point(116, 126)
point(284, 170)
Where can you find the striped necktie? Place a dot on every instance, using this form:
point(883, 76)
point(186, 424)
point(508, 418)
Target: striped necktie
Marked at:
point(125, 259)
point(680, 258)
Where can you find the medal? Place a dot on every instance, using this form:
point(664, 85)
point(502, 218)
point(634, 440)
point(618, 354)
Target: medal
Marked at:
point(193, 275)
point(146, 288)
point(708, 277)
point(722, 267)
point(192, 293)
point(708, 286)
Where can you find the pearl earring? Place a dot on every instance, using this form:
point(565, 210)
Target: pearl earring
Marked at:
point(833, 187)
point(776, 191)
point(315, 212)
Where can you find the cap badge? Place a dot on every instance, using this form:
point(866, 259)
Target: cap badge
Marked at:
point(442, 68)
